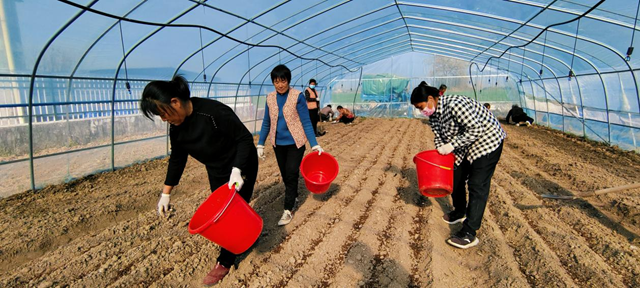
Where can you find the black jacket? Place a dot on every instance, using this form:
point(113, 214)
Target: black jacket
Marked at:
point(214, 135)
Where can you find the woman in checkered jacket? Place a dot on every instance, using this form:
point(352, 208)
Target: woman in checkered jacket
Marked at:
point(464, 127)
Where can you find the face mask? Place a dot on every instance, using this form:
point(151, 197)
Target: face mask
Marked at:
point(428, 111)
point(312, 86)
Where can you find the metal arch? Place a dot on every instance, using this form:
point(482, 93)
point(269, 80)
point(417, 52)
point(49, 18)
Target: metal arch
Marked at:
point(344, 46)
point(598, 43)
point(381, 48)
point(271, 29)
point(100, 38)
point(480, 46)
point(531, 59)
point(281, 33)
point(539, 76)
point(485, 39)
point(344, 37)
point(490, 16)
point(360, 31)
point(32, 84)
point(356, 34)
point(404, 20)
point(310, 51)
point(115, 77)
point(378, 56)
point(489, 40)
point(479, 29)
point(314, 35)
point(227, 33)
point(237, 45)
point(86, 52)
point(365, 39)
point(593, 17)
point(561, 102)
point(376, 44)
point(467, 48)
point(508, 20)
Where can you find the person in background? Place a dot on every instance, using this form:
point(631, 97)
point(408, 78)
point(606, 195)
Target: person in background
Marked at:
point(443, 89)
point(464, 127)
point(313, 98)
point(326, 114)
point(211, 133)
point(286, 122)
point(519, 116)
point(344, 116)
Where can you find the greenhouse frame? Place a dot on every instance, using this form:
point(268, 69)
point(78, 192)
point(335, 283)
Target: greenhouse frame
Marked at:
point(73, 71)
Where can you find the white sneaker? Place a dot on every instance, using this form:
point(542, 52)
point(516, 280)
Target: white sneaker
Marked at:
point(528, 123)
point(517, 124)
point(286, 218)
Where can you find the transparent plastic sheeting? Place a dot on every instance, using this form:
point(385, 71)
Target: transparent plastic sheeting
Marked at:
point(365, 55)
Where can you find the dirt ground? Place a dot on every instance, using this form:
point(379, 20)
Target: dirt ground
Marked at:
point(372, 228)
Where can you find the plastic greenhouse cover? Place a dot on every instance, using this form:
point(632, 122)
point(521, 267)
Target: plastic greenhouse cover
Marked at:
point(383, 84)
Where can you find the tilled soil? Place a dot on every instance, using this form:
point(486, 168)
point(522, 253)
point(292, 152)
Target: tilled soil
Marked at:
point(372, 228)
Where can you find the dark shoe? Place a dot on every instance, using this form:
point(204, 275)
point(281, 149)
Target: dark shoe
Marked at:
point(463, 240)
point(453, 218)
point(215, 275)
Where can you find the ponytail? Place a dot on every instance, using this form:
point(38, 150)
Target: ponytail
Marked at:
point(182, 87)
point(422, 93)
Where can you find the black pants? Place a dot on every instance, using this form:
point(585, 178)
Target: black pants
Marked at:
point(346, 120)
point(289, 158)
point(325, 117)
point(478, 176)
point(250, 174)
point(523, 118)
point(313, 114)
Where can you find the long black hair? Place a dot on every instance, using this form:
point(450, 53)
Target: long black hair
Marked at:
point(157, 95)
point(422, 93)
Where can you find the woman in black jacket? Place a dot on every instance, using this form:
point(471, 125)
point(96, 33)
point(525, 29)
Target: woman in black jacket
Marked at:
point(211, 133)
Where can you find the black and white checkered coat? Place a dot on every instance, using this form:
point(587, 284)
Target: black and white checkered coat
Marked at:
point(467, 125)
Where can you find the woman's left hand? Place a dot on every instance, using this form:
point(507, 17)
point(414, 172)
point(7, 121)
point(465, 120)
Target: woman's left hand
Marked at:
point(236, 178)
point(318, 149)
point(445, 149)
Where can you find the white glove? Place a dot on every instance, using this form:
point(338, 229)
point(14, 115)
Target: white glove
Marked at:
point(318, 149)
point(261, 152)
point(445, 149)
point(236, 178)
point(163, 204)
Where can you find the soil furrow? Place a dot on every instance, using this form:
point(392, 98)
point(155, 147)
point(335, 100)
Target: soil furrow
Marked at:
point(301, 245)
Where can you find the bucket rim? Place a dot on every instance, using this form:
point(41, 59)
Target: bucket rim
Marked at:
point(214, 219)
point(417, 156)
point(333, 159)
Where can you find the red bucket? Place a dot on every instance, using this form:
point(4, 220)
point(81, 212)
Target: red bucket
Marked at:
point(435, 173)
point(319, 171)
point(227, 220)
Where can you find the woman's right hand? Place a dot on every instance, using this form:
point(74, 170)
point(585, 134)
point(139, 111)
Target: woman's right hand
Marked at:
point(260, 149)
point(163, 205)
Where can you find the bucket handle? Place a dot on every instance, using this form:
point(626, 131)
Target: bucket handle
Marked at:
point(434, 164)
point(227, 206)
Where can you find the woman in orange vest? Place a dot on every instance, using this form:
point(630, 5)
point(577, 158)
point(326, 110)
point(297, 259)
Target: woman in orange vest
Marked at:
point(286, 121)
point(313, 98)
